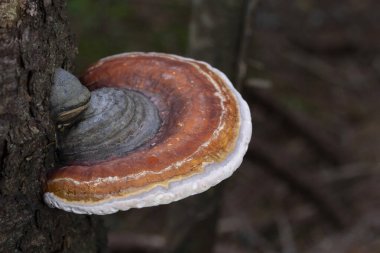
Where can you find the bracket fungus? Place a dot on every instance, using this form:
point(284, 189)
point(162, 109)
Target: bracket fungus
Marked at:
point(158, 128)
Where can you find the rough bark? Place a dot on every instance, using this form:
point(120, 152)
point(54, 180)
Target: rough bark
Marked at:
point(34, 40)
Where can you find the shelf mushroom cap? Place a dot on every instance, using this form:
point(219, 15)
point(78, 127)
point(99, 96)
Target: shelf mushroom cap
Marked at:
point(204, 134)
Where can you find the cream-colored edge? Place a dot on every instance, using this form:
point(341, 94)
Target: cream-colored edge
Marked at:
point(212, 175)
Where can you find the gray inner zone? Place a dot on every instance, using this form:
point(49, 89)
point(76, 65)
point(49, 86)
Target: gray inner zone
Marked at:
point(67, 92)
point(116, 122)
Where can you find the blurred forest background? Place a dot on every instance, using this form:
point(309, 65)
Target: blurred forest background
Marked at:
point(310, 70)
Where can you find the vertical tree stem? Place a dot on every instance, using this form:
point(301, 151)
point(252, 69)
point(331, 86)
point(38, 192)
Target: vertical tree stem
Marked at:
point(34, 41)
point(217, 34)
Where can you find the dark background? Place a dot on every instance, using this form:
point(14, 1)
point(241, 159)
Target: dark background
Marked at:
point(310, 182)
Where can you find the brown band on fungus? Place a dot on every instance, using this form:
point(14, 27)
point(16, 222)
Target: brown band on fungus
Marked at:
point(200, 125)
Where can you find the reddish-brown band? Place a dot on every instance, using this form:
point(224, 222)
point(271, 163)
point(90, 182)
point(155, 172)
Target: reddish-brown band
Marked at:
point(200, 125)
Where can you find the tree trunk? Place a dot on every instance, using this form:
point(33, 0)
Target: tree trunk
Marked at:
point(34, 41)
point(217, 36)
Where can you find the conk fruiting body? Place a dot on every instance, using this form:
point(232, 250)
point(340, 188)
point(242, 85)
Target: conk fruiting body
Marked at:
point(195, 132)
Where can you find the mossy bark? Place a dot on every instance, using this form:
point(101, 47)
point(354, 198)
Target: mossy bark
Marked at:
point(34, 40)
